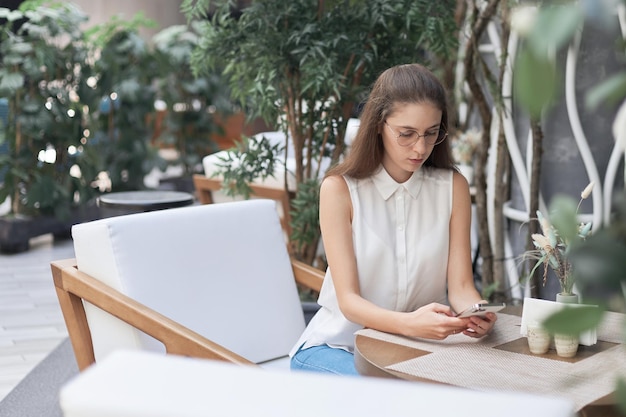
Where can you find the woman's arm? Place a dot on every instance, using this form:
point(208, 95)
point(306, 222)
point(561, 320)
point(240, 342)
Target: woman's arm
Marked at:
point(430, 321)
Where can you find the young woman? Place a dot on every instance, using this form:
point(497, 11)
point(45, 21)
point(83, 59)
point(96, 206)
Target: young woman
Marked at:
point(395, 221)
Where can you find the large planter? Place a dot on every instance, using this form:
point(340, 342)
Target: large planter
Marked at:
point(16, 231)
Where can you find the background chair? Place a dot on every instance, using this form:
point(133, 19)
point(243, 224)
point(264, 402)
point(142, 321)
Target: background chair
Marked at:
point(209, 185)
point(211, 281)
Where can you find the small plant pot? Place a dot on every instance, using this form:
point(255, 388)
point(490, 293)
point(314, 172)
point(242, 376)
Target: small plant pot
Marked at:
point(566, 345)
point(538, 339)
point(567, 298)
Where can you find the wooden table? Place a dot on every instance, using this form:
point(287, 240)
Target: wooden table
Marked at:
point(501, 362)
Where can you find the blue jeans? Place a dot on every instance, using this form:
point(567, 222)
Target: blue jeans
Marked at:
point(324, 359)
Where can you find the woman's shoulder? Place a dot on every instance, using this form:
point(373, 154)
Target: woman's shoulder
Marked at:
point(448, 178)
point(440, 174)
point(459, 180)
point(334, 184)
point(334, 194)
point(460, 186)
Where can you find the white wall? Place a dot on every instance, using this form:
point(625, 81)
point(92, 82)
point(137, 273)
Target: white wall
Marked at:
point(164, 12)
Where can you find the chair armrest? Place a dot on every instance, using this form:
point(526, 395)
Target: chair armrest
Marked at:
point(205, 186)
point(74, 286)
point(307, 275)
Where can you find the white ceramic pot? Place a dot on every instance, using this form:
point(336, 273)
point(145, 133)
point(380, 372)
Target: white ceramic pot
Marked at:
point(567, 298)
point(538, 339)
point(566, 345)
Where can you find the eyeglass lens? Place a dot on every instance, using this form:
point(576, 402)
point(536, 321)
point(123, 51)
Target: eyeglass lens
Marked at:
point(410, 137)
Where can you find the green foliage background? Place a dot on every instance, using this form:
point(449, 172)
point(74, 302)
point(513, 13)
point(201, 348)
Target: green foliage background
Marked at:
point(305, 66)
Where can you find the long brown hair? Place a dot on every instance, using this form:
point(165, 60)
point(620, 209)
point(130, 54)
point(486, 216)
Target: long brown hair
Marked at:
point(402, 84)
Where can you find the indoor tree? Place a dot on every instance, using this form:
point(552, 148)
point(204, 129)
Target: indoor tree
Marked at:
point(306, 66)
point(192, 104)
point(43, 74)
point(124, 73)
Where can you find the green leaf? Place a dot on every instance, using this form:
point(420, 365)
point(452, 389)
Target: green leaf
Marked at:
point(574, 320)
point(10, 15)
point(563, 217)
point(600, 261)
point(535, 82)
point(611, 91)
point(620, 394)
point(554, 27)
point(21, 48)
point(9, 83)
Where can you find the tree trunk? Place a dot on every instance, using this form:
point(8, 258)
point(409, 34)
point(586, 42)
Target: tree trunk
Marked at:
point(500, 197)
point(484, 109)
point(501, 183)
point(535, 184)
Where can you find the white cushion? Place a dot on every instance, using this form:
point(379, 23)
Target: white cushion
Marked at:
point(134, 384)
point(221, 269)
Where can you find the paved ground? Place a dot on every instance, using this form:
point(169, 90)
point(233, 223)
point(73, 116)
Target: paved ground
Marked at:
point(31, 324)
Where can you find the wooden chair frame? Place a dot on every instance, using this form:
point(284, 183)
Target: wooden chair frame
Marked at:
point(73, 287)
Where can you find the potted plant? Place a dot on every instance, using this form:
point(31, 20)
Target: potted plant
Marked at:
point(554, 245)
point(307, 65)
point(80, 105)
point(43, 76)
point(191, 105)
point(559, 234)
point(121, 121)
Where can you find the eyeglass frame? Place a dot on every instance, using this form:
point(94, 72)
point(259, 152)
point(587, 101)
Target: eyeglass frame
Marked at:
point(437, 142)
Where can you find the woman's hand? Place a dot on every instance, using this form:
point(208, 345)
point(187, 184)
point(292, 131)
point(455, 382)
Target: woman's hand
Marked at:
point(479, 326)
point(435, 321)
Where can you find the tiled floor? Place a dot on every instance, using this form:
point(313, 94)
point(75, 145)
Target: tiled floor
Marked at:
point(31, 324)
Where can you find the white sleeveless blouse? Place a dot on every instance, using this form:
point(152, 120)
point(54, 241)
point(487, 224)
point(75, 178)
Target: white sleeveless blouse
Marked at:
point(401, 238)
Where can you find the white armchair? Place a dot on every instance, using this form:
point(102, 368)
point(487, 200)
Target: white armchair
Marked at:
point(212, 281)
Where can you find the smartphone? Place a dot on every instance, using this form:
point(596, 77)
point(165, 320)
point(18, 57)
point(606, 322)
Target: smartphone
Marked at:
point(481, 309)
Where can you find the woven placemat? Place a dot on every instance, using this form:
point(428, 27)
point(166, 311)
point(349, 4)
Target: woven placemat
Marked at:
point(473, 363)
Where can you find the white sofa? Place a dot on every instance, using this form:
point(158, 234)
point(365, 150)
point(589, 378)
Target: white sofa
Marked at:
point(134, 384)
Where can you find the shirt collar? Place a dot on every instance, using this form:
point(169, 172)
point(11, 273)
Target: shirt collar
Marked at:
point(386, 185)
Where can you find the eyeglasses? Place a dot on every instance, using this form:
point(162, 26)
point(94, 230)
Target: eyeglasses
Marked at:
point(410, 137)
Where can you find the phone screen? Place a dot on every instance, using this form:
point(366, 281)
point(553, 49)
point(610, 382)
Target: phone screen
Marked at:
point(481, 309)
